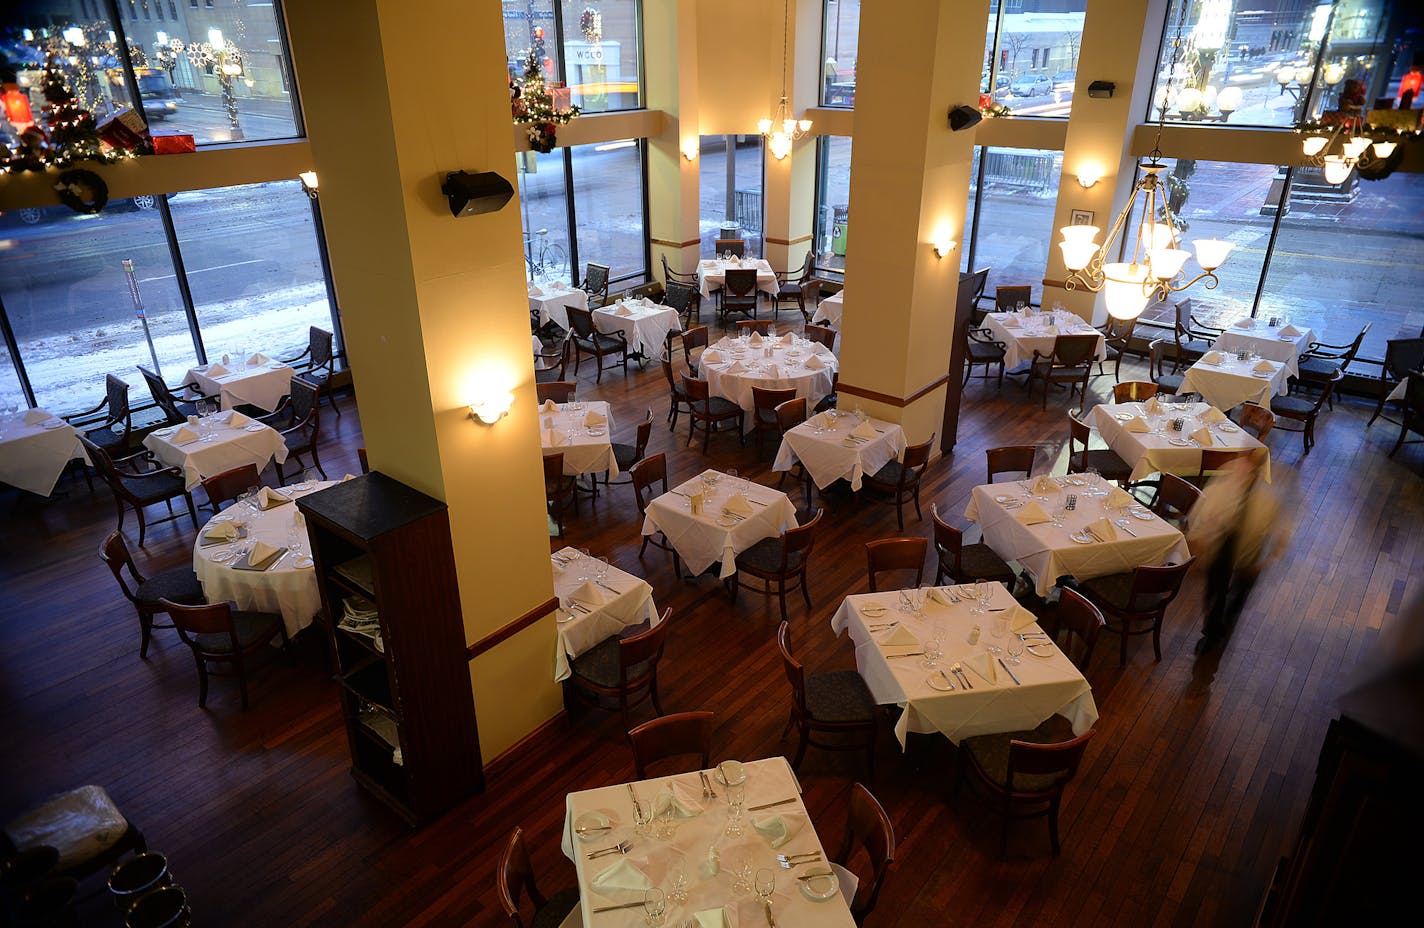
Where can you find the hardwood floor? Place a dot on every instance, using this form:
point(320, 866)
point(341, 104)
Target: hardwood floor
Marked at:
point(1189, 794)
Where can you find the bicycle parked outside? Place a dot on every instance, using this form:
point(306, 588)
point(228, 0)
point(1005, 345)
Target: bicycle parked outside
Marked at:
point(545, 259)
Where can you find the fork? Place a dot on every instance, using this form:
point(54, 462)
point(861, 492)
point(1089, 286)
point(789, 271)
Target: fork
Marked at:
point(958, 671)
point(621, 847)
point(810, 854)
point(792, 864)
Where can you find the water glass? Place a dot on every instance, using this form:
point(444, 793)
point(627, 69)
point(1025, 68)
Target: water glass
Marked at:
point(585, 564)
point(974, 594)
point(765, 883)
point(1015, 648)
point(654, 906)
point(998, 629)
point(677, 879)
point(601, 566)
point(906, 604)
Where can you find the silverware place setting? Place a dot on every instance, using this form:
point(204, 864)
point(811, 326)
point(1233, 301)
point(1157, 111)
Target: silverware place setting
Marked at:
point(768, 805)
point(622, 847)
point(958, 671)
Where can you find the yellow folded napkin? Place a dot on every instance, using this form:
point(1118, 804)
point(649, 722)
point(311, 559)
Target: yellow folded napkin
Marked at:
point(1263, 366)
point(622, 880)
point(1031, 514)
point(1153, 404)
point(261, 553)
point(555, 438)
point(594, 418)
point(268, 497)
point(1211, 357)
point(1137, 424)
point(984, 665)
point(183, 435)
point(738, 505)
point(588, 593)
point(549, 406)
point(1202, 437)
point(680, 799)
point(1103, 529)
point(1049, 330)
point(756, 340)
point(694, 503)
point(622, 310)
point(1213, 414)
point(814, 363)
point(900, 637)
point(1044, 484)
point(1119, 498)
point(36, 416)
point(1010, 322)
point(1288, 330)
point(777, 829)
point(1020, 618)
point(216, 370)
point(534, 291)
point(223, 530)
point(348, 477)
point(236, 420)
point(737, 367)
point(712, 918)
point(712, 356)
point(258, 359)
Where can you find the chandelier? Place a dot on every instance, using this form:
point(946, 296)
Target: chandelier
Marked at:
point(1156, 267)
point(1337, 155)
point(784, 129)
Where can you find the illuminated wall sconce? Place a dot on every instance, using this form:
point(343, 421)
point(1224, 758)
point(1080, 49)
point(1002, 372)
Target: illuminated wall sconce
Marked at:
point(1089, 175)
point(943, 248)
point(490, 409)
point(689, 150)
point(308, 179)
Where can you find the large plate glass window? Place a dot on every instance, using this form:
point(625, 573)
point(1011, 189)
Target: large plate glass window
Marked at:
point(730, 191)
point(840, 34)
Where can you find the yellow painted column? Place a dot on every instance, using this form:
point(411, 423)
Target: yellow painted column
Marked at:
point(670, 40)
point(434, 307)
point(789, 190)
point(908, 191)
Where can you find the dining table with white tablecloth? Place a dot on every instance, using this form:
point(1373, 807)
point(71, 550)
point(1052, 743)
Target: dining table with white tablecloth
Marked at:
point(1226, 381)
point(214, 444)
point(830, 310)
point(1024, 333)
point(935, 699)
point(593, 609)
point(254, 381)
point(582, 432)
point(733, 366)
point(1284, 343)
point(644, 324)
point(712, 534)
point(839, 445)
point(1048, 551)
point(551, 301)
point(1142, 435)
point(712, 274)
point(35, 447)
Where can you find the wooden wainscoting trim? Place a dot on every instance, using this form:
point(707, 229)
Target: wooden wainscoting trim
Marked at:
point(667, 244)
point(788, 241)
point(512, 753)
point(509, 630)
point(926, 390)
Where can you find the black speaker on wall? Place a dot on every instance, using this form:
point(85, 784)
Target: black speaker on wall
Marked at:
point(471, 194)
point(964, 117)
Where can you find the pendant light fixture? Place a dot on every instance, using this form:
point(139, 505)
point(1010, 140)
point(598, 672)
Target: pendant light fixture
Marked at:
point(783, 129)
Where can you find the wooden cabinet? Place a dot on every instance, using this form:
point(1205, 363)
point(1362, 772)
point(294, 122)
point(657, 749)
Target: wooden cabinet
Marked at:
point(391, 608)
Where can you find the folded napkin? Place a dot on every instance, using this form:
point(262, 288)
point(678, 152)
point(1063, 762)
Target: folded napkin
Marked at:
point(1213, 414)
point(1103, 529)
point(588, 594)
point(1119, 498)
point(623, 879)
point(783, 340)
point(940, 596)
point(864, 430)
point(1246, 322)
point(1010, 322)
point(1202, 437)
point(680, 799)
point(1020, 618)
point(560, 285)
point(737, 367)
point(535, 291)
point(268, 497)
point(1137, 424)
point(756, 340)
point(1211, 357)
point(1050, 330)
point(258, 359)
point(1031, 514)
point(712, 356)
point(712, 918)
point(772, 372)
point(556, 438)
point(1289, 330)
point(1153, 404)
point(1044, 484)
point(184, 434)
point(899, 637)
point(738, 505)
point(594, 418)
point(36, 416)
point(819, 421)
point(622, 310)
point(777, 829)
point(221, 530)
point(261, 553)
point(983, 665)
point(236, 420)
point(216, 370)
point(348, 477)
point(549, 406)
point(1263, 366)
point(814, 363)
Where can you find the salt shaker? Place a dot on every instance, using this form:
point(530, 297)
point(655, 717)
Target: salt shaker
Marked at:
point(974, 635)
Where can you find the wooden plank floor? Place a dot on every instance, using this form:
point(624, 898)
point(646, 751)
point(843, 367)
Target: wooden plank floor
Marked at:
point(1191, 791)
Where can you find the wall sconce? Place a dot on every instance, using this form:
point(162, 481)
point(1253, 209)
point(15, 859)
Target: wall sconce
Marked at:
point(1089, 175)
point(490, 409)
point(943, 248)
point(689, 150)
point(308, 179)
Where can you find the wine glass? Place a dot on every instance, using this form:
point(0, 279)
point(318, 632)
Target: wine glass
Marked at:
point(677, 878)
point(1015, 648)
point(934, 647)
point(974, 592)
point(250, 497)
point(998, 630)
point(585, 564)
point(765, 884)
point(736, 797)
point(601, 568)
point(654, 906)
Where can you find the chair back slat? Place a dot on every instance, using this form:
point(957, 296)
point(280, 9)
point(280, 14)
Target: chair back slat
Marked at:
point(648, 646)
point(1074, 350)
point(1057, 760)
point(644, 474)
point(888, 554)
point(1082, 622)
point(869, 828)
point(114, 552)
point(791, 414)
point(795, 672)
point(1011, 459)
point(207, 619)
point(514, 876)
point(676, 735)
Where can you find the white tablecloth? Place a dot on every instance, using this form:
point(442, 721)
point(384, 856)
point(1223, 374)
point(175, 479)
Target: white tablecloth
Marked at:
point(583, 453)
point(1267, 342)
point(767, 781)
point(1037, 332)
point(1049, 684)
point(1047, 552)
point(552, 304)
point(789, 371)
point(646, 326)
point(701, 540)
point(284, 587)
point(262, 385)
point(32, 457)
point(220, 448)
point(631, 604)
point(711, 274)
point(829, 454)
point(1232, 382)
point(830, 309)
point(1398, 392)
point(1153, 451)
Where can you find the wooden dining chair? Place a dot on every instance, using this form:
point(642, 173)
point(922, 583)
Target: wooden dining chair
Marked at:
point(1011, 459)
point(1070, 363)
point(961, 563)
point(982, 348)
point(733, 246)
point(514, 879)
point(788, 287)
point(1007, 299)
point(694, 339)
point(647, 476)
point(683, 299)
point(298, 420)
point(1175, 499)
point(320, 367)
point(898, 482)
point(560, 489)
point(1133, 391)
point(681, 734)
point(1304, 411)
point(821, 335)
point(113, 432)
point(868, 830)
point(780, 563)
point(1076, 625)
point(1168, 383)
point(1136, 603)
point(175, 410)
point(671, 276)
point(560, 391)
point(761, 327)
point(218, 634)
point(887, 554)
point(138, 489)
point(627, 455)
point(588, 340)
point(739, 293)
point(834, 702)
point(1216, 460)
point(1412, 419)
point(708, 411)
point(1023, 776)
point(810, 299)
point(764, 403)
point(178, 584)
point(228, 485)
point(550, 364)
point(789, 415)
point(677, 393)
point(623, 669)
point(1117, 338)
point(1256, 420)
point(1082, 458)
point(1401, 356)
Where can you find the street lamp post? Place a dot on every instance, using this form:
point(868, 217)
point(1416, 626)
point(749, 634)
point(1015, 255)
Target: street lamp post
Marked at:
point(228, 64)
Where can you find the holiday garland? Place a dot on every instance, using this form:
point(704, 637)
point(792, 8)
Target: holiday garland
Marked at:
point(533, 106)
point(990, 109)
point(591, 24)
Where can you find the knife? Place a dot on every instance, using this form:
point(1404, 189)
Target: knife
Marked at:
point(615, 908)
point(768, 805)
point(770, 919)
point(636, 808)
point(1009, 672)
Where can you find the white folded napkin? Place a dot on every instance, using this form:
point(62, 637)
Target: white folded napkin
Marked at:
point(1202, 437)
point(1137, 424)
point(555, 438)
point(772, 372)
point(549, 406)
point(348, 477)
point(260, 553)
point(268, 497)
point(36, 416)
point(679, 798)
point(940, 596)
point(1289, 330)
point(737, 367)
point(184, 434)
point(819, 421)
point(814, 363)
point(712, 356)
point(1031, 514)
point(236, 420)
point(1264, 366)
point(1153, 404)
point(225, 530)
point(899, 637)
point(593, 418)
point(1118, 498)
point(1213, 415)
point(216, 370)
point(983, 664)
point(712, 918)
point(1211, 357)
point(1044, 484)
point(1020, 618)
point(622, 878)
point(1103, 529)
point(756, 340)
point(258, 359)
point(589, 594)
point(622, 310)
point(1010, 322)
point(738, 505)
point(864, 430)
point(1246, 322)
point(560, 285)
point(534, 291)
point(777, 829)
point(1049, 330)
point(707, 263)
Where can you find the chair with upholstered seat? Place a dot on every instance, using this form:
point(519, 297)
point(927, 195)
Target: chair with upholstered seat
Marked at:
point(708, 411)
point(693, 339)
point(821, 335)
point(175, 410)
point(1170, 384)
point(1076, 625)
point(1117, 338)
point(677, 393)
point(1175, 499)
point(550, 364)
point(736, 247)
point(646, 476)
point(1010, 459)
point(810, 299)
point(1305, 411)
point(780, 561)
point(1025, 773)
point(683, 299)
point(887, 554)
point(114, 433)
point(898, 482)
point(868, 828)
point(981, 348)
point(514, 878)
point(627, 455)
point(230, 484)
point(298, 419)
point(1413, 418)
point(760, 327)
point(588, 340)
point(671, 276)
point(1401, 356)
point(83, 828)
point(218, 634)
point(788, 287)
point(595, 283)
point(177, 584)
point(1134, 391)
point(835, 702)
point(1257, 421)
point(1322, 366)
point(1070, 362)
point(739, 293)
point(137, 490)
point(789, 415)
point(320, 367)
point(560, 391)
point(682, 734)
point(961, 563)
point(1082, 458)
point(764, 403)
point(623, 669)
point(1136, 603)
point(1007, 299)
point(560, 489)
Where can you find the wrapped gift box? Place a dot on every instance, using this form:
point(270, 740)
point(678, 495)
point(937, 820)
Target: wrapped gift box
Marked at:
point(173, 144)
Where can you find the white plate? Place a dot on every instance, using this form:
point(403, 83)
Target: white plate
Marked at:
point(221, 557)
point(1003, 499)
point(164, 433)
point(1142, 514)
point(1123, 416)
point(302, 563)
point(254, 427)
point(1082, 539)
point(1044, 651)
point(221, 517)
point(726, 521)
point(938, 682)
point(55, 424)
point(1228, 428)
point(821, 888)
point(1180, 442)
point(873, 612)
point(1287, 338)
point(598, 431)
point(1263, 374)
point(594, 820)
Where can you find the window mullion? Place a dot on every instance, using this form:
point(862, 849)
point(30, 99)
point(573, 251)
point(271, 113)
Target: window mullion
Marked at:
point(13, 347)
point(181, 278)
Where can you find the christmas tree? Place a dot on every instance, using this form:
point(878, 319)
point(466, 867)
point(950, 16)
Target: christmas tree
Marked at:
point(73, 135)
point(533, 106)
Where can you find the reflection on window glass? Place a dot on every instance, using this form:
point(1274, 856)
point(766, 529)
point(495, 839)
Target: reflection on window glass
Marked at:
point(966, 240)
point(610, 221)
point(545, 212)
point(729, 190)
point(529, 24)
point(251, 257)
point(67, 296)
point(10, 392)
point(82, 48)
point(1031, 55)
point(601, 54)
point(1016, 203)
point(841, 29)
point(832, 201)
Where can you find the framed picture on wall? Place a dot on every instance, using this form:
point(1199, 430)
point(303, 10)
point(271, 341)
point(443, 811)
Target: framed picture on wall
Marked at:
point(1081, 217)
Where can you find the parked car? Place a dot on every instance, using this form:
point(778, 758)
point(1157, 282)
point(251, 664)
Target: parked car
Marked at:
point(1031, 85)
point(34, 215)
point(1063, 81)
